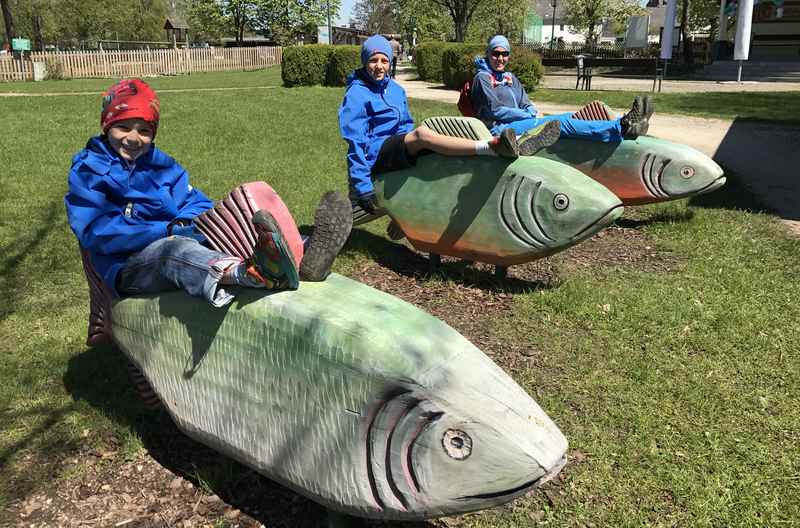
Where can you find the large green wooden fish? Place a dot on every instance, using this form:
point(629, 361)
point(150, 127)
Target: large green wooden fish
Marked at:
point(639, 171)
point(350, 396)
point(495, 210)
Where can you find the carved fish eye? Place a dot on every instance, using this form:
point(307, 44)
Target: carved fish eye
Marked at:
point(687, 172)
point(457, 444)
point(561, 201)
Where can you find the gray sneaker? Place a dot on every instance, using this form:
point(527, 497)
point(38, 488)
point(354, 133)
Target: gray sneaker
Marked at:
point(538, 138)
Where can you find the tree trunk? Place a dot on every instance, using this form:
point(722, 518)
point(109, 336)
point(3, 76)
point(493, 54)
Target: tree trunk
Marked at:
point(460, 24)
point(688, 52)
point(9, 20)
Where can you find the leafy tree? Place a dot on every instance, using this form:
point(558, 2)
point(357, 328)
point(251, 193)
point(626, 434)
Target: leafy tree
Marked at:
point(586, 15)
point(283, 20)
point(504, 17)
point(71, 22)
point(207, 21)
point(286, 20)
point(428, 20)
point(461, 11)
point(375, 16)
point(8, 20)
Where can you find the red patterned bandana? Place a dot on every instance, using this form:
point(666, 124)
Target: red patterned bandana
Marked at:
point(128, 99)
point(506, 80)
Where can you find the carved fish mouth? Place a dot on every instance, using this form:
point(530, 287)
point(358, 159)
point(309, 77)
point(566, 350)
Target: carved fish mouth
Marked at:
point(396, 422)
point(602, 222)
point(713, 186)
point(518, 490)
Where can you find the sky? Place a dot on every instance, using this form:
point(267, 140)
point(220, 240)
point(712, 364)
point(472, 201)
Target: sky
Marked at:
point(344, 13)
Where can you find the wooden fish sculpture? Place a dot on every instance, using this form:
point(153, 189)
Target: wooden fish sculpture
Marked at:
point(348, 395)
point(495, 210)
point(639, 171)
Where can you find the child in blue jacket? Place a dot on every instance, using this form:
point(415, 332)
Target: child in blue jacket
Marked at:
point(375, 122)
point(131, 207)
point(500, 101)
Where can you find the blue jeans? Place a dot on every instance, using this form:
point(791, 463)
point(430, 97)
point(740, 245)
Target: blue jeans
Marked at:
point(604, 131)
point(176, 263)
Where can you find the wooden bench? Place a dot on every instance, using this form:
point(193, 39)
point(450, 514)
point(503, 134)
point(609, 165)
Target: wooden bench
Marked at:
point(586, 69)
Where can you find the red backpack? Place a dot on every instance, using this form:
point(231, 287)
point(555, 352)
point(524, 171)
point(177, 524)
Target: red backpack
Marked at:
point(464, 100)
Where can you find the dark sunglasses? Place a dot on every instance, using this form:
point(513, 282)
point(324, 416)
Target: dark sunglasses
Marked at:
point(497, 54)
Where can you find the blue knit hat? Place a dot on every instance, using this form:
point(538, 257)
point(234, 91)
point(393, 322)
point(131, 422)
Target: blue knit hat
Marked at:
point(498, 41)
point(375, 44)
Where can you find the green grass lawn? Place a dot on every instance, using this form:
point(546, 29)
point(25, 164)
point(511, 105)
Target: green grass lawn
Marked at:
point(258, 78)
point(677, 388)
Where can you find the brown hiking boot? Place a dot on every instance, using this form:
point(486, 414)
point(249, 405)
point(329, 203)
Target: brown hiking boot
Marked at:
point(538, 138)
point(505, 144)
point(636, 122)
point(333, 221)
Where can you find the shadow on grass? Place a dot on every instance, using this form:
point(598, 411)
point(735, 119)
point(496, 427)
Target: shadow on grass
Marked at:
point(661, 217)
point(407, 262)
point(17, 252)
point(98, 377)
point(733, 195)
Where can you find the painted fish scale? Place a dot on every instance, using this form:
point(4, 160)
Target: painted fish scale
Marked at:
point(641, 171)
point(345, 394)
point(495, 210)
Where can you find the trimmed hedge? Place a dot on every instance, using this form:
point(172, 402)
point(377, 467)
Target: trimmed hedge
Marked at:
point(305, 65)
point(343, 60)
point(458, 64)
point(527, 66)
point(428, 59)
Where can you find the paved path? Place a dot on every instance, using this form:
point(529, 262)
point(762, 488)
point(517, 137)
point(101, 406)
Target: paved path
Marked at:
point(765, 156)
point(567, 82)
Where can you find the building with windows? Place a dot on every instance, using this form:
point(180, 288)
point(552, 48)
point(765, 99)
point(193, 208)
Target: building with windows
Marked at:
point(554, 25)
point(775, 31)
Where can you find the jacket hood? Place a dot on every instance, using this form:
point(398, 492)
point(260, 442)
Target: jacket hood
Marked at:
point(360, 76)
point(482, 66)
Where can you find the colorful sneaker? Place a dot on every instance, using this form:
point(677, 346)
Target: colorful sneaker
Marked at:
point(272, 263)
point(333, 221)
point(538, 138)
point(505, 144)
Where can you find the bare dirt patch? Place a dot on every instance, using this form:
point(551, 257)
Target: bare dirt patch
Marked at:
point(177, 482)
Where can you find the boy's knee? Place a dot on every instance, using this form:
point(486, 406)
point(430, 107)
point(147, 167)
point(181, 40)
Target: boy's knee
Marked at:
point(424, 135)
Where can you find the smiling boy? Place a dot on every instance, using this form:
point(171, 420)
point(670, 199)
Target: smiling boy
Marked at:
point(131, 206)
point(375, 122)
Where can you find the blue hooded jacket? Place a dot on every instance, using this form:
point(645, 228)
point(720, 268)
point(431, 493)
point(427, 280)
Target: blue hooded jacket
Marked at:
point(371, 112)
point(498, 97)
point(115, 210)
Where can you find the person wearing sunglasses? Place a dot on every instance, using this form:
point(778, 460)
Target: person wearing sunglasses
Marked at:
point(500, 101)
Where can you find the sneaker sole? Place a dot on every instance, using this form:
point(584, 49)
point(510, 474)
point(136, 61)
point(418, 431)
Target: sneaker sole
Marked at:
point(333, 221)
point(263, 219)
point(508, 146)
point(546, 137)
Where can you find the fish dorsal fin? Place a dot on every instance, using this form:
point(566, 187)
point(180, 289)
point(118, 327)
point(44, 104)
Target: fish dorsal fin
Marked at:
point(463, 127)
